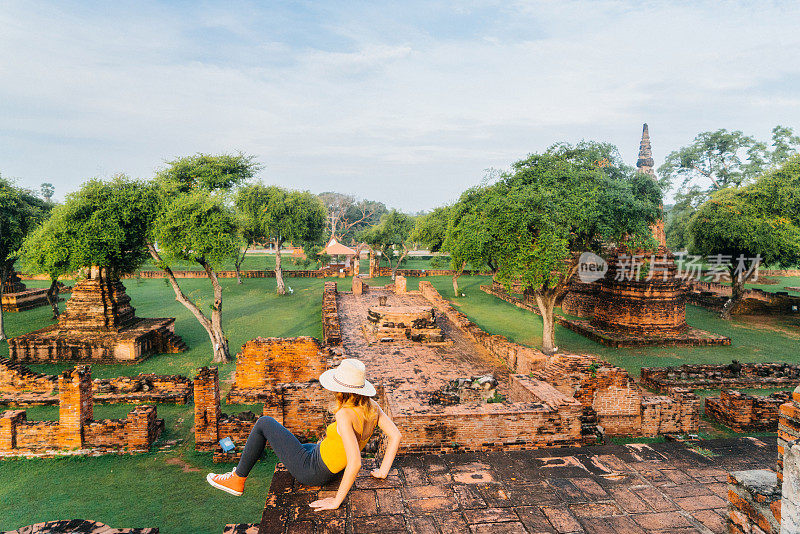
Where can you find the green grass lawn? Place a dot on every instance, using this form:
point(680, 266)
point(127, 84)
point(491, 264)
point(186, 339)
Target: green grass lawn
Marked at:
point(259, 261)
point(250, 310)
point(163, 488)
point(155, 489)
point(166, 489)
point(777, 339)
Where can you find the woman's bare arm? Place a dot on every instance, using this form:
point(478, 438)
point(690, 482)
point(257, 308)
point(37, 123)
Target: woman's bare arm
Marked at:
point(393, 435)
point(344, 425)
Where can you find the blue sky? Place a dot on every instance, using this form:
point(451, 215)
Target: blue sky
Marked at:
point(405, 102)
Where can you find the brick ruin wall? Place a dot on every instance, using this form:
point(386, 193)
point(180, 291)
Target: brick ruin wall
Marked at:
point(713, 296)
point(422, 273)
point(754, 503)
point(20, 386)
point(518, 358)
point(302, 407)
point(76, 428)
point(746, 413)
point(788, 427)
point(734, 375)
point(331, 329)
point(621, 406)
point(265, 363)
point(537, 415)
point(759, 501)
point(311, 273)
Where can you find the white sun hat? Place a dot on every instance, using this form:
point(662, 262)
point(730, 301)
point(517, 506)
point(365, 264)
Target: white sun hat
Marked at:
point(349, 377)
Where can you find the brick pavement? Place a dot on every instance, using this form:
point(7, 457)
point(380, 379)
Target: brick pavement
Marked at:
point(626, 489)
point(412, 369)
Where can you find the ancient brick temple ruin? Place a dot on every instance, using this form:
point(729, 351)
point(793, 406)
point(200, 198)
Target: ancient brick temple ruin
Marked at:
point(533, 401)
point(17, 297)
point(77, 430)
point(640, 311)
point(98, 325)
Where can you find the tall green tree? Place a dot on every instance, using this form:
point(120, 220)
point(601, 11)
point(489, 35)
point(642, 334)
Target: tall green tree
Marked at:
point(551, 207)
point(198, 227)
point(47, 250)
point(20, 211)
point(430, 229)
point(195, 221)
point(761, 219)
point(718, 160)
point(469, 239)
point(105, 223)
point(249, 203)
point(391, 237)
point(296, 217)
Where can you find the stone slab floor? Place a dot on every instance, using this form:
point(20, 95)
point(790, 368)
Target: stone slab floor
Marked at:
point(663, 488)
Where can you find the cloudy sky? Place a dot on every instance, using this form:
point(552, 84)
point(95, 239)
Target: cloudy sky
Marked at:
point(404, 102)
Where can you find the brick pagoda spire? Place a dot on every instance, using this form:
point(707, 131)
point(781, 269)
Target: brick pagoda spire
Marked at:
point(645, 164)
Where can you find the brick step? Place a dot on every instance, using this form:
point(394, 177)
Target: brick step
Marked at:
point(175, 343)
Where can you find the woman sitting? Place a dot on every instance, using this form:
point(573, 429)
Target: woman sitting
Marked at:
point(316, 464)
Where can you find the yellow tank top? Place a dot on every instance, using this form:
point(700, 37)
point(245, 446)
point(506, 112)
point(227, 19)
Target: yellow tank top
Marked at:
point(331, 448)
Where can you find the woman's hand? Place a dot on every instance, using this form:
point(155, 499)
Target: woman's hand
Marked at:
point(329, 503)
point(378, 473)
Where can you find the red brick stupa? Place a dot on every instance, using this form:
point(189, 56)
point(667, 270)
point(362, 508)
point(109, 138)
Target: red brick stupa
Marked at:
point(638, 302)
point(17, 297)
point(99, 325)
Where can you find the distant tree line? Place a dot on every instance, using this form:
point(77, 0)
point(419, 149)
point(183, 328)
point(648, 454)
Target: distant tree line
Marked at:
point(527, 225)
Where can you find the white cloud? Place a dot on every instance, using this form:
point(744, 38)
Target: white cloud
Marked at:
point(397, 112)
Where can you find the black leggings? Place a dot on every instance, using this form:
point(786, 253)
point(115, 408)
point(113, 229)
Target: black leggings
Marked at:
point(302, 460)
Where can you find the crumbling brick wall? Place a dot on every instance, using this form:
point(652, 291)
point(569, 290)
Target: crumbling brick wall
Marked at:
point(519, 358)
point(16, 378)
point(746, 413)
point(331, 329)
point(20, 386)
point(536, 415)
point(267, 362)
point(754, 502)
point(206, 408)
point(300, 406)
point(788, 426)
point(733, 375)
point(135, 433)
point(676, 414)
point(621, 407)
point(76, 428)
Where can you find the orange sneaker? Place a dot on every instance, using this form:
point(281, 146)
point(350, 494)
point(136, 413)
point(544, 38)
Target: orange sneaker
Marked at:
point(229, 482)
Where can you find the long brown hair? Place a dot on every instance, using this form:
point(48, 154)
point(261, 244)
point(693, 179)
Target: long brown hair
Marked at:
point(358, 402)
